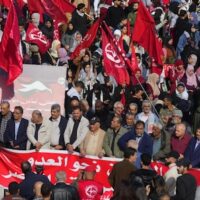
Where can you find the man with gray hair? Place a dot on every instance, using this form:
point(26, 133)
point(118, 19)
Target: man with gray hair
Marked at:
point(147, 116)
point(58, 126)
point(5, 115)
point(38, 132)
point(62, 191)
point(161, 142)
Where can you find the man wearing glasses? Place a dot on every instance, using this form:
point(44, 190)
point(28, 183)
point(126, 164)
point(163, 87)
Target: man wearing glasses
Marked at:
point(15, 136)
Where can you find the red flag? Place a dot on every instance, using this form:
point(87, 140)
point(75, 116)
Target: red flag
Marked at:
point(5, 3)
point(144, 34)
point(35, 6)
point(87, 40)
point(54, 11)
point(65, 6)
point(114, 63)
point(11, 59)
point(134, 64)
point(56, 32)
point(35, 36)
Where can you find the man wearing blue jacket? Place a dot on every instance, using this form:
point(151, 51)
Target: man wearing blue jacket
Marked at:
point(138, 139)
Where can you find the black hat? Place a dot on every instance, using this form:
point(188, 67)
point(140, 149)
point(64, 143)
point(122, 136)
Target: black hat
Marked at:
point(173, 154)
point(94, 120)
point(183, 162)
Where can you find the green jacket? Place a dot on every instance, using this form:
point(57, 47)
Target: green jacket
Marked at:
point(132, 18)
point(108, 142)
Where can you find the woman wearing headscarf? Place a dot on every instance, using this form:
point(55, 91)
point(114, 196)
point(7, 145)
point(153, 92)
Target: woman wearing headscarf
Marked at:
point(48, 29)
point(68, 37)
point(190, 79)
point(152, 85)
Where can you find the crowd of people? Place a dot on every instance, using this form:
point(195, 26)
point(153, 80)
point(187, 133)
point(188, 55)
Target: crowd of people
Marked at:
point(156, 117)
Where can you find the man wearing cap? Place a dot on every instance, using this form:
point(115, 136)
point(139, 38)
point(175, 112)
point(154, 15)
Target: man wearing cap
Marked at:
point(180, 139)
point(172, 174)
point(93, 142)
point(186, 184)
point(88, 188)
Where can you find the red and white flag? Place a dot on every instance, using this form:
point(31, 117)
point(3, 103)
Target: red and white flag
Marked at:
point(87, 40)
point(35, 36)
point(11, 58)
point(114, 63)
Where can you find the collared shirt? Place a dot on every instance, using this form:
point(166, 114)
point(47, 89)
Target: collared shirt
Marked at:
point(16, 128)
point(55, 131)
point(197, 144)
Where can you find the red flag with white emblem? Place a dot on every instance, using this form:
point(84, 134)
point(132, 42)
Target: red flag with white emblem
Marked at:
point(114, 63)
point(87, 40)
point(35, 36)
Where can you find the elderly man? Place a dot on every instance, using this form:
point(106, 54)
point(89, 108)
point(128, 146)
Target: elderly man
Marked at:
point(118, 112)
point(93, 142)
point(129, 121)
point(161, 142)
point(112, 136)
point(15, 135)
point(38, 132)
point(5, 115)
point(76, 130)
point(180, 139)
point(138, 139)
point(63, 191)
point(177, 116)
point(58, 127)
point(147, 116)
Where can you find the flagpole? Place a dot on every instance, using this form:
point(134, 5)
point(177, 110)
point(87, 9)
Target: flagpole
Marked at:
point(148, 99)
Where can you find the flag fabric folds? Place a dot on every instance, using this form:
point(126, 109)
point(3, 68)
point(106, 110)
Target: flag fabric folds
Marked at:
point(35, 36)
point(87, 40)
point(114, 63)
point(56, 9)
point(11, 58)
point(145, 35)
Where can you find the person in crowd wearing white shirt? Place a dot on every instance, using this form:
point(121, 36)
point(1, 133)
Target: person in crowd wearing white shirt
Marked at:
point(172, 174)
point(147, 116)
point(58, 127)
point(38, 132)
point(76, 130)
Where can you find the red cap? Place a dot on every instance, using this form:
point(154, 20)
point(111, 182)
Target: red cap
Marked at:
point(90, 168)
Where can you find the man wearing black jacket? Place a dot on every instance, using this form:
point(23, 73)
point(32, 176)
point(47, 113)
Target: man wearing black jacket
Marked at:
point(15, 136)
point(62, 191)
point(59, 124)
point(186, 184)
